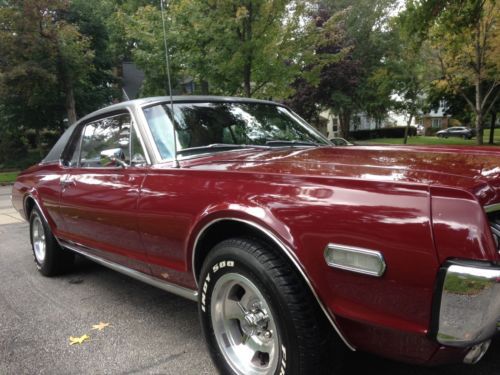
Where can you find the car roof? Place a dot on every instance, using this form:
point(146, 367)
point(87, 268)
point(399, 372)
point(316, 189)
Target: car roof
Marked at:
point(176, 99)
point(58, 148)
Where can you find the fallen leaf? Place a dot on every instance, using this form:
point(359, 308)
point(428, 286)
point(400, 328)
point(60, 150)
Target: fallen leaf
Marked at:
point(78, 340)
point(100, 326)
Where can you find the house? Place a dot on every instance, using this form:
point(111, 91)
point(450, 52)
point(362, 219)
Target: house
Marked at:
point(359, 121)
point(435, 120)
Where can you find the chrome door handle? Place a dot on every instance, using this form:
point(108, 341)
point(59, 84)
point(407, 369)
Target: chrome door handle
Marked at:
point(65, 181)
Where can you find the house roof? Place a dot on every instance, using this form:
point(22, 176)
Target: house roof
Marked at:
point(132, 79)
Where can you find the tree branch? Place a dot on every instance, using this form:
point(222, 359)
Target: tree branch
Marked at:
point(259, 87)
point(492, 88)
point(492, 103)
point(443, 71)
point(468, 100)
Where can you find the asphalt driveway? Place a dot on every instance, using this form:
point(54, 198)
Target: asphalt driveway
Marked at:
point(150, 332)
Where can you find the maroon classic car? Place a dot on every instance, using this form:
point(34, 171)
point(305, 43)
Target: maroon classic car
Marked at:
point(293, 248)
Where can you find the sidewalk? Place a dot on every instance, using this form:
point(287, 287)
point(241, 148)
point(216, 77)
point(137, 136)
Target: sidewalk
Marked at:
point(8, 215)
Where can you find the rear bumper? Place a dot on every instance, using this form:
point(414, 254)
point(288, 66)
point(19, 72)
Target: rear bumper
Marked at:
point(467, 305)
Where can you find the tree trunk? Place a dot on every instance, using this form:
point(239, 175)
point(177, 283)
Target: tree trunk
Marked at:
point(247, 68)
point(477, 85)
point(407, 129)
point(204, 87)
point(479, 128)
point(70, 102)
point(492, 128)
point(344, 122)
point(247, 77)
point(38, 141)
point(67, 86)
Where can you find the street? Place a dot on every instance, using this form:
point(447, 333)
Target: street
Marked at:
point(150, 332)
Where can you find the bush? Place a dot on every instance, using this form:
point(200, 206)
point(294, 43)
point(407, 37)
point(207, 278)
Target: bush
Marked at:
point(397, 132)
point(12, 146)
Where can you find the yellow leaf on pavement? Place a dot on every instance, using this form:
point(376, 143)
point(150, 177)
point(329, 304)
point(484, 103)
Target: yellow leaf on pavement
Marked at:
point(100, 326)
point(78, 340)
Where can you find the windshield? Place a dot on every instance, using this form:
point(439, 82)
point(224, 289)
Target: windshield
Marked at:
point(218, 126)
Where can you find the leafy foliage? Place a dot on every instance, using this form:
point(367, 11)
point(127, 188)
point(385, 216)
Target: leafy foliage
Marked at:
point(465, 39)
point(245, 47)
point(348, 46)
point(48, 64)
point(61, 59)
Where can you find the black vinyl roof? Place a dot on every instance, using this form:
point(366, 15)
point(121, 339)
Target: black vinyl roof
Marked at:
point(56, 151)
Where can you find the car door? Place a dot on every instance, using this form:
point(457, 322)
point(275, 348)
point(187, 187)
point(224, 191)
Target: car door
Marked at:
point(101, 189)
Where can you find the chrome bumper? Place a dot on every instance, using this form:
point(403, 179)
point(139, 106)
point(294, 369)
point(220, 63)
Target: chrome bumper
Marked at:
point(467, 304)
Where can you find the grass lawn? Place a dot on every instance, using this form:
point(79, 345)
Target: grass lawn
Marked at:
point(7, 177)
point(433, 140)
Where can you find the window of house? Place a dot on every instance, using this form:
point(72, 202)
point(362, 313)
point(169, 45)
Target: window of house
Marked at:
point(436, 122)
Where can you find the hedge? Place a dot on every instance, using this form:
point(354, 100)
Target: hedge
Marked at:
point(398, 132)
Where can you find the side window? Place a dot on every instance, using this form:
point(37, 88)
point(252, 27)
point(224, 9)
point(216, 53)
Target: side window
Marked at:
point(136, 150)
point(106, 142)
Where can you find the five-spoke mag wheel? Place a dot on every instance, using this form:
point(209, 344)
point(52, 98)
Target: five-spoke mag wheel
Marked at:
point(257, 314)
point(38, 238)
point(244, 326)
point(49, 257)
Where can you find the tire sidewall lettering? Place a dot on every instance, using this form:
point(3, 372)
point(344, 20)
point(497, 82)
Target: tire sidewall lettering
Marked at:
point(216, 267)
point(211, 276)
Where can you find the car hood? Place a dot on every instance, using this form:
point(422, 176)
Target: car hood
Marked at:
point(476, 169)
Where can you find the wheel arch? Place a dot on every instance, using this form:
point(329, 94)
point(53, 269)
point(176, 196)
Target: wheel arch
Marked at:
point(30, 202)
point(223, 228)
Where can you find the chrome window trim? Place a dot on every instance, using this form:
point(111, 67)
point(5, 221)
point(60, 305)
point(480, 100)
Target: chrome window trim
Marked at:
point(492, 208)
point(164, 285)
point(359, 250)
point(289, 254)
point(152, 142)
point(135, 127)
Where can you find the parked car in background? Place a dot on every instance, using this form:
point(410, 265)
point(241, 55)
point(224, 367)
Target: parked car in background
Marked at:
point(420, 130)
point(457, 131)
point(338, 141)
point(294, 249)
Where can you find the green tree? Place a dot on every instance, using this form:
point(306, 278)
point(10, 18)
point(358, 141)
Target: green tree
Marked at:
point(43, 57)
point(347, 45)
point(143, 31)
point(243, 47)
point(406, 72)
point(465, 37)
point(55, 65)
point(99, 87)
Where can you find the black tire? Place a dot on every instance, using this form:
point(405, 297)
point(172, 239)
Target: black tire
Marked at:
point(305, 336)
point(56, 259)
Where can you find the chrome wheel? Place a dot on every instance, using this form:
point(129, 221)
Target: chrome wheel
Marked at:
point(38, 238)
point(244, 326)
